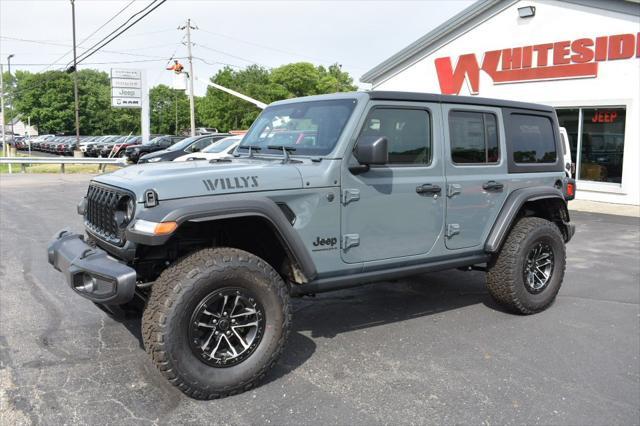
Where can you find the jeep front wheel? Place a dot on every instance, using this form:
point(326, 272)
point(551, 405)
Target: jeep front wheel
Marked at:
point(216, 322)
point(526, 275)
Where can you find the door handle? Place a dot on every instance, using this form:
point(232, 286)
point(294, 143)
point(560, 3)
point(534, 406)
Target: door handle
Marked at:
point(492, 185)
point(427, 188)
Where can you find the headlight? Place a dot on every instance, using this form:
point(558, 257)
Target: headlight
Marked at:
point(154, 160)
point(124, 211)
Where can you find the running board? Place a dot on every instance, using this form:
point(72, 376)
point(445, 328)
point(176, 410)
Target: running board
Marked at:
point(341, 282)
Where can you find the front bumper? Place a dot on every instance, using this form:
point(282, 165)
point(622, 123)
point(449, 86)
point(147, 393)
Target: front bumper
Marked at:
point(90, 271)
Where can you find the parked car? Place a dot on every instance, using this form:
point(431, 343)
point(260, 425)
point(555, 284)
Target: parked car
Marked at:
point(569, 165)
point(218, 150)
point(134, 152)
point(120, 147)
point(95, 150)
point(185, 146)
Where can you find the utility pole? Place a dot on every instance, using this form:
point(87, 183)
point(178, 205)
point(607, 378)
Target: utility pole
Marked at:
point(188, 27)
point(4, 138)
point(175, 105)
point(75, 74)
point(11, 100)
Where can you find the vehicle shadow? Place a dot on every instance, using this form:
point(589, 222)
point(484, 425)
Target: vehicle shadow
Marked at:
point(330, 314)
point(373, 305)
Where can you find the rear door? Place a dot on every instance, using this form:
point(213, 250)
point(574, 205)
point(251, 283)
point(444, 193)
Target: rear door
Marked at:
point(476, 173)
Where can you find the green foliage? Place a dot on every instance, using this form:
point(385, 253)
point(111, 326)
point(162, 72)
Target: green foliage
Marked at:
point(166, 103)
point(226, 112)
point(48, 98)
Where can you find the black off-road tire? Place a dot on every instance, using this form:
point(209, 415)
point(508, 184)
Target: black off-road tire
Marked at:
point(177, 294)
point(505, 272)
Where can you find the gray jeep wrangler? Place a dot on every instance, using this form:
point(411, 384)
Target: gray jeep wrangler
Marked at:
point(323, 193)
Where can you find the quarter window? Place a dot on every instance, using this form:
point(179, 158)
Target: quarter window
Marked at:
point(408, 132)
point(532, 139)
point(473, 137)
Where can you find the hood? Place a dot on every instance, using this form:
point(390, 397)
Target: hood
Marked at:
point(196, 178)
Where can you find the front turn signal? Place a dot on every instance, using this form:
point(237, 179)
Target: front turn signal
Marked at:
point(155, 228)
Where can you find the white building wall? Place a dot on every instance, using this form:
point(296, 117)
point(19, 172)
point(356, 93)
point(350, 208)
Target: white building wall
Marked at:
point(617, 83)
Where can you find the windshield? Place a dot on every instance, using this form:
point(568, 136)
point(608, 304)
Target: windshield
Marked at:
point(308, 128)
point(221, 145)
point(179, 146)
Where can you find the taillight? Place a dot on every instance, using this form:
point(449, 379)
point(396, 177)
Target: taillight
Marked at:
point(571, 189)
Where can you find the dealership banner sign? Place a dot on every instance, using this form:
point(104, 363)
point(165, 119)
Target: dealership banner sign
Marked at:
point(126, 87)
point(558, 60)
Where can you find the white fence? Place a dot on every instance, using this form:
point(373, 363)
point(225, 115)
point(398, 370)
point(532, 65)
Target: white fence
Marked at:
point(24, 161)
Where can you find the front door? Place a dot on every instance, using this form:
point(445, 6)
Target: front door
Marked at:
point(476, 169)
point(395, 210)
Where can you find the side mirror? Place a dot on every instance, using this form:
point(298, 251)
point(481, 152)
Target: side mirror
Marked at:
point(370, 151)
point(195, 149)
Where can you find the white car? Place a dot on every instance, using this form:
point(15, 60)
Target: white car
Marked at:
point(569, 165)
point(219, 149)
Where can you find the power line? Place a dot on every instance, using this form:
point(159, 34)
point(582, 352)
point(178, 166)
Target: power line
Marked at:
point(105, 63)
point(117, 29)
point(117, 52)
point(262, 46)
point(91, 35)
point(147, 12)
point(231, 55)
point(217, 63)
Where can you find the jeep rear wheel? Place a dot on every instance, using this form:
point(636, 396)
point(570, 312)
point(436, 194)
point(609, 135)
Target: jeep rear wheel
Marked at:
point(526, 275)
point(216, 322)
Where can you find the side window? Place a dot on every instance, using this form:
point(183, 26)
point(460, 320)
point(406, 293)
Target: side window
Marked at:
point(200, 145)
point(532, 139)
point(473, 137)
point(408, 132)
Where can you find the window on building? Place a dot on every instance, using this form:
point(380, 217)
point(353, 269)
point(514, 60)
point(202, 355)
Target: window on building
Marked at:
point(473, 137)
point(532, 139)
point(408, 132)
point(602, 145)
point(569, 118)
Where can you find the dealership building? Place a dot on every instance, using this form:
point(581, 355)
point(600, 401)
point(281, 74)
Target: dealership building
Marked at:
point(580, 56)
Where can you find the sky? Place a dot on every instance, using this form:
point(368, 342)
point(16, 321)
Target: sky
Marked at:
point(356, 34)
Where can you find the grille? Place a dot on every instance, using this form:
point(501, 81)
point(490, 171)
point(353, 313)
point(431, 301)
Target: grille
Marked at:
point(102, 202)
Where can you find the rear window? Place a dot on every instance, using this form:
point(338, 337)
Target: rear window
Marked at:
point(532, 139)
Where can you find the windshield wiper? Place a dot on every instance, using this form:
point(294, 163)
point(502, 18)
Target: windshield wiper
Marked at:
point(285, 151)
point(251, 148)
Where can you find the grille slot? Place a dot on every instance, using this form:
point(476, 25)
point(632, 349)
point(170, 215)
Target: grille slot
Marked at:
point(99, 218)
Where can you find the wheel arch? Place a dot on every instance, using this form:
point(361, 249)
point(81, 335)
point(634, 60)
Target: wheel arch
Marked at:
point(543, 201)
point(230, 213)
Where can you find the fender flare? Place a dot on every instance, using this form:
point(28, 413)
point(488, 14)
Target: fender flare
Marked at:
point(204, 209)
point(511, 208)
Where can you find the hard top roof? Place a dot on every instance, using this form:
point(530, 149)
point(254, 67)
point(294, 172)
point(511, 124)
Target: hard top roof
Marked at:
point(454, 99)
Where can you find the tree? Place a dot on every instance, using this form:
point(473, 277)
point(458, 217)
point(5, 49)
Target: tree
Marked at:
point(165, 103)
point(48, 98)
point(226, 112)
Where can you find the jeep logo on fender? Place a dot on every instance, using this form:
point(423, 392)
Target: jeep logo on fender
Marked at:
point(322, 244)
point(553, 61)
point(235, 182)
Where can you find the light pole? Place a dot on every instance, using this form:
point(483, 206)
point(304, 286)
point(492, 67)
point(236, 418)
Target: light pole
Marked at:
point(75, 74)
point(11, 98)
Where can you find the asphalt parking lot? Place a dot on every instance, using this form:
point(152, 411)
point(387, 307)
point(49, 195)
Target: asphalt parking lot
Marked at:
point(433, 349)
